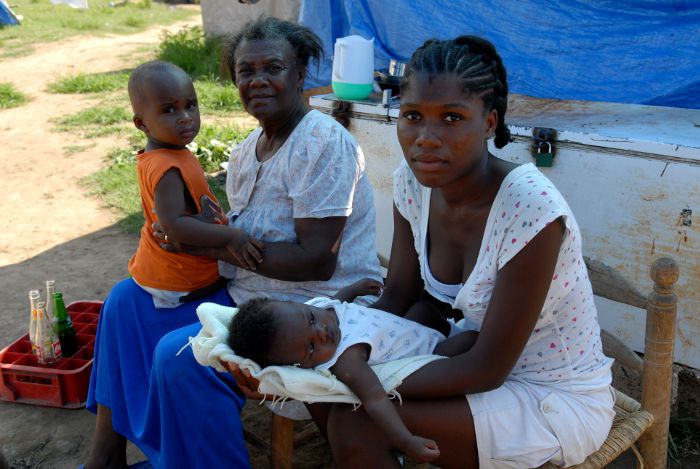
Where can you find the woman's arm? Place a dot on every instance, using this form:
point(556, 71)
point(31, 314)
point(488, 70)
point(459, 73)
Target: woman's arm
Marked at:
point(312, 257)
point(403, 284)
point(353, 370)
point(516, 303)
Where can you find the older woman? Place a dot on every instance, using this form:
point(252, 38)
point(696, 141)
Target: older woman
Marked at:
point(298, 184)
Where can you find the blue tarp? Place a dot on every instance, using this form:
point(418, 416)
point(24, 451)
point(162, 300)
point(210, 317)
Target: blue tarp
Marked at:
point(627, 51)
point(6, 15)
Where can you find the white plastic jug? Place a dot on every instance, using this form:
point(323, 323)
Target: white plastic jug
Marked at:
point(353, 67)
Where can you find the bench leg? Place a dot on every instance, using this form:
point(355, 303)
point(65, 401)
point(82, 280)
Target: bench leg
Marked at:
point(282, 442)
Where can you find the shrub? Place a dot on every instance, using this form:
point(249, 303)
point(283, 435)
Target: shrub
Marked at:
point(213, 145)
point(191, 51)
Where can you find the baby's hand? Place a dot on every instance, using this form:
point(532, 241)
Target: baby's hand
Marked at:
point(367, 286)
point(420, 449)
point(211, 211)
point(246, 250)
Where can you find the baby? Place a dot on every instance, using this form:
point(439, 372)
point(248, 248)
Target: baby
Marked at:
point(175, 193)
point(345, 338)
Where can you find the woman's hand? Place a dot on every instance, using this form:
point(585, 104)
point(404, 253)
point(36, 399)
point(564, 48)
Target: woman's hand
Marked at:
point(245, 381)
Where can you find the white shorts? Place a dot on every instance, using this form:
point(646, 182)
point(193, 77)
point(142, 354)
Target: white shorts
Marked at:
point(524, 425)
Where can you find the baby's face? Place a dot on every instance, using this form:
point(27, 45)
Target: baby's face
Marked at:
point(306, 335)
point(170, 111)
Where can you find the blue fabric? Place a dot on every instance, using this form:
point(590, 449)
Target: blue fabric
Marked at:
point(193, 411)
point(128, 330)
point(627, 51)
point(6, 16)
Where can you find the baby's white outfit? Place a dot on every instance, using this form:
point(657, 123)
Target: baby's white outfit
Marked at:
point(390, 337)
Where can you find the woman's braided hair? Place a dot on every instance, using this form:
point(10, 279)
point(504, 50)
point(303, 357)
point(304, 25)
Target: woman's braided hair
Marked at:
point(477, 66)
point(304, 42)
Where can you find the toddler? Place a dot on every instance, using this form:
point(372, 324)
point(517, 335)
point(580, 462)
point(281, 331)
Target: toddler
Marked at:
point(174, 191)
point(345, 338)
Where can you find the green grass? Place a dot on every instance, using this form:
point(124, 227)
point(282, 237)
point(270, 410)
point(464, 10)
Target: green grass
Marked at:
point(44, 22)
point(90, 82)
point(73, 149)
point(217, 97)
point(683, 438)
point(10, 96)
point(118, 188)
point(96, 121)
point(192, 52)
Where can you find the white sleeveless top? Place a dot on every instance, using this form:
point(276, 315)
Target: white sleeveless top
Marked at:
point(565, 347)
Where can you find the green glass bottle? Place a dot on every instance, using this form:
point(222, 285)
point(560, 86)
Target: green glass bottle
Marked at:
point(64, 326)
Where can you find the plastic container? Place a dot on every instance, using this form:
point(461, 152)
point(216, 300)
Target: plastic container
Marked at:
point(65, 385)
point(353, 67)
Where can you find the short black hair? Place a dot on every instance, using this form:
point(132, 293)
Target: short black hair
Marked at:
point(304, 42)
point(253, 330)
point(478, 67)
point(145, 74)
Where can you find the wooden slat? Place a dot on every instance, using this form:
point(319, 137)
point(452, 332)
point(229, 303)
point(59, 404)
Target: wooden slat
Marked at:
point(609, 284)
point(615, 348)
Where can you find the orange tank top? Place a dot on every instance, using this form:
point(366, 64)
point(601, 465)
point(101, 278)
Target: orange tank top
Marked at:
point(151, 265)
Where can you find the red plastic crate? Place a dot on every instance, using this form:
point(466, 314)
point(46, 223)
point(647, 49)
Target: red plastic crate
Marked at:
point(64, 385)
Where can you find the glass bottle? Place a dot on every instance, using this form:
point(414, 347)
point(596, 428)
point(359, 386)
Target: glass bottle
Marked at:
point(50, 290)
point(48, 347)
point(64, 326)
point(33, 300)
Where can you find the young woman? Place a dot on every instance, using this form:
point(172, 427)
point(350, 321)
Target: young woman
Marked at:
point(498, 242)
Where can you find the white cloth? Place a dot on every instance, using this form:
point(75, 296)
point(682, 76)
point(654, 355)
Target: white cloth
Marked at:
point(210, 347)
point(318, 172)
point(390, 337)
point(163, 299)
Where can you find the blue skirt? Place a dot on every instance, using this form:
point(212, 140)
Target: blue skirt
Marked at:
point(128, 331)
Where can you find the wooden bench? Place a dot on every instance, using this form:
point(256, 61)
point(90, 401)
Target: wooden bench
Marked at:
point(646, 423)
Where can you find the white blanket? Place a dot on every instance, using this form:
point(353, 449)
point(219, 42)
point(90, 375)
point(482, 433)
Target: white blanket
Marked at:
point(307, 385)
